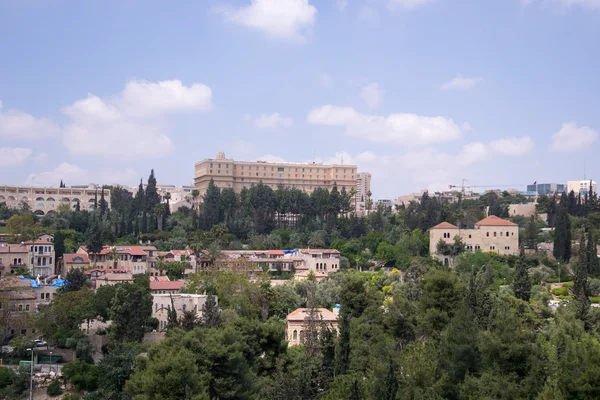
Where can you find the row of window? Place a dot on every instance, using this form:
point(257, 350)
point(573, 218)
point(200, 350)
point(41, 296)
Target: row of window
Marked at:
point(281, 169)
point(14, 308)
point(495, 234)
point(475, 247)
point(183, 307)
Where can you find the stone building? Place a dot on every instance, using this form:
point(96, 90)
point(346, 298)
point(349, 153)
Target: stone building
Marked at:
point(297, 323)
point(491, 234)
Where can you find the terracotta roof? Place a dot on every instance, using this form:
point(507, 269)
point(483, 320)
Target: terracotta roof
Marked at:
point(301, 314)
point(492, 220)
point(166, 285)
point(13, 248)
point(179, 252)
point(301, 267)
point(148, 248)
point(40, 242)
point(162, 278)
point(275, 252)
point(131, 250)
point(445, 225)
point(116, 277)
point(70, 258)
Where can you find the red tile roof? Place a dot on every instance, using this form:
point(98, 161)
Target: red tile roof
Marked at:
point(131, 250)
point(116, 277)
point(301, 268)
point(13, 248)
point(301, 314)
point(168, 285)
point(70, 258)
point(445, 225)
point(492, 220)
point(275, 252)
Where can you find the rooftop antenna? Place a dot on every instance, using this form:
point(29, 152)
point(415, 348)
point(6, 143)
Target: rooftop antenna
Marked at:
point(314, 155)
point(342, 160)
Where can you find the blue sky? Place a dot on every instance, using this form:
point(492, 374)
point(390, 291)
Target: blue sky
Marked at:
point(420, 93)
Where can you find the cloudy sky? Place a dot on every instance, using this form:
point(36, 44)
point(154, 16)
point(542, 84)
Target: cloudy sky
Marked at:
point(420, 93)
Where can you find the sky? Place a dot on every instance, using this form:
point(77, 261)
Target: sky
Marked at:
point(420, 93)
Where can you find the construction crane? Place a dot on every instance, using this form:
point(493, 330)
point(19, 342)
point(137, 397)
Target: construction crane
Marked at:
point(463, 186)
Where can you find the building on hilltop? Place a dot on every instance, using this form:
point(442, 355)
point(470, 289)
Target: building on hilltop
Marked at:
point(546, 188)
point(297, 323)
point(37, 257)
point(228, 173)
point(491, 234)
point(582, 187)
point(43, 200)
point(17, 305)
point(363, 192)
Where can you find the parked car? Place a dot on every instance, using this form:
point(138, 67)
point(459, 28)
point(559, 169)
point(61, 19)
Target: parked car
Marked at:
point(40, 343)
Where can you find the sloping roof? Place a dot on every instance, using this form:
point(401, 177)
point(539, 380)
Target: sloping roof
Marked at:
point(301, 268)
point(166, 285)
point(319, 251)
point(13, 248)
point(445, 225)
point(275, 252)
point(301, 314)
point(131, 250)
point(70, 258)
point(116, 277)
point(492, 220)
point(38, 241)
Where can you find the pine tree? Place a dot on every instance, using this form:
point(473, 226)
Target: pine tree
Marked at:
point(96, 200)
point(580, 281)
point(151, 200)
point(103, 204)
point(562, 233)
point(211, 315)
point(390, 383)
point(172, 315)
point(355, 391)
point(77, 207)
point(327, 341)
point(531, 234)
point(94, 239)
point(522, 283)
point(342, 351)
point(59, 245)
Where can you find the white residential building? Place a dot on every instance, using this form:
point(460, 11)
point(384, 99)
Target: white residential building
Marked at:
point(581, 187)
point(363, 189)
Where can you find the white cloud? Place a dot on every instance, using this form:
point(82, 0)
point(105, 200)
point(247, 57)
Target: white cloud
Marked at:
point(341, 4)
point(401, 129)
point(407, 4)
point(129, 123)
point(72, 174)
point(572, 138)
point(282, 19)
point(591, 4)
point(15, 124)
point(272, 121)
point(472, 153)
point(512, 146)
point(13, 157)
point(372, 95)
point(461, 83)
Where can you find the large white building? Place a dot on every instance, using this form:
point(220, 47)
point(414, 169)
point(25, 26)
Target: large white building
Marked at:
point(581, 187)
point(363, 190)
point(45, 200)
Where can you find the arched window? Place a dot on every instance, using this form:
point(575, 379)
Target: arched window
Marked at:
point(20, 307)
point(494, 234)
point(507, 234)
point(301, 335)
point(184, 308)
point(487, 234)
point(50, 199)
point(295, 335)
point(446, 261)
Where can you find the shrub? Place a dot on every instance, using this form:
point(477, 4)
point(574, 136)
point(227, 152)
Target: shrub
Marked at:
point(560, 291)
point(566, 278)
point(82, 375)
point(54, 388)
point(6, 377)
point(71, 396)
point(595, 300)
point(569, 285)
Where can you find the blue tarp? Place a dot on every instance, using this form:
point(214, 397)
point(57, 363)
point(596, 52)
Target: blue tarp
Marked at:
point(59, 283)
point(33, 282)
point(290, 251)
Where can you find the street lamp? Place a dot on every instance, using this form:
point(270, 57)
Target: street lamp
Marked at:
point(31, 375)
point(50, 361)
point(559, 272)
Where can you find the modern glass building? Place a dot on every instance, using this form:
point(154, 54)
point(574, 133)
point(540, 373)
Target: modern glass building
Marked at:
point(547, 188)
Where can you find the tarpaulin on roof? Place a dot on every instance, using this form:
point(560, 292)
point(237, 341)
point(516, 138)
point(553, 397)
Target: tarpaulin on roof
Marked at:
point(290, 251)
point(59, 283)
point(34, 284)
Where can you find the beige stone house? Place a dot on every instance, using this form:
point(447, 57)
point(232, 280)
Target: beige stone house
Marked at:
point(182, 302)
point(491, 234)
point(297, 323)
point(17, 305)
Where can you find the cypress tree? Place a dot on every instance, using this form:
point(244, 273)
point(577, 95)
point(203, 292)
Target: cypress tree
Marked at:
point(59, 245)
point(96, 200)
point(522, 283)
point(531, 234)
point(580, 282)
point(342, 352)
point(94, 240)
point(562, 233)
point(391, 383)
point(103, 204)
point(172, 315)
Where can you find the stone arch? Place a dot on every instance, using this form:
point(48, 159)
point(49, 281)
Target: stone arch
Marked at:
point(39, 213)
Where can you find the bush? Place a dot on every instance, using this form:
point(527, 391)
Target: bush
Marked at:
point(54, 388)
point(82, 375)
point(71, 396)
point(560, 291)
point(566, 278)
point(595, 300)
point(6, 377)
point(569, 285)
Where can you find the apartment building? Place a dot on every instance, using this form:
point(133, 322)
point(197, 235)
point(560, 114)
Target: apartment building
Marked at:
point(17, 305)
point(72, 260)
point(43, 200)
point(137, 259)
point(297, 323)
point(582, 187)
point(182, 302)
point(35, 256)
point(363, 191)
point(228, 173)
point(491, 234)
point(178, 195)
point(323, 261)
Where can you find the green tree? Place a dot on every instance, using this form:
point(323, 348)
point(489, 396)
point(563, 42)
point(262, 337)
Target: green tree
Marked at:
point(82, 375)
point(211, 315)
point(531, 234)
point(94, 239)
point(131, 308)
point(522, 282)
point(75, 280)
point(562, 234)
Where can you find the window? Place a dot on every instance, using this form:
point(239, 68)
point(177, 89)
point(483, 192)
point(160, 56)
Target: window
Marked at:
point(500, 234)
point(494, 234)
point(295, 335)
point(469, 236)
point(184, 308)
point(492, 247)
point(26, 307)
point(506, 234)
point(506, 247)
point(20, 307)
